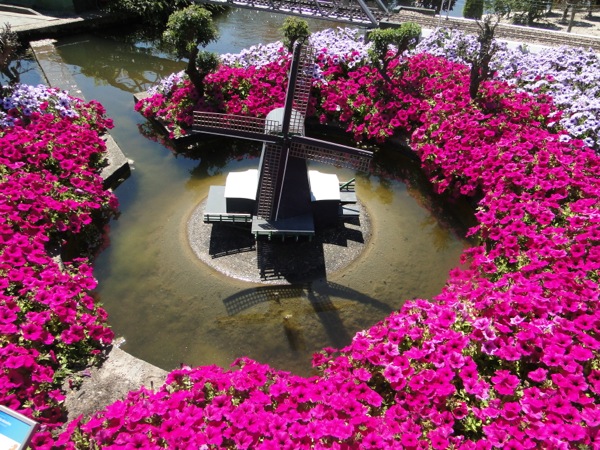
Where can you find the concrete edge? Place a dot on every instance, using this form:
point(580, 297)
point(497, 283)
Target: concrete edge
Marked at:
point(67, 24)
point(57, 75)
point(19, 10)
point(121, 372)
point(118, 168)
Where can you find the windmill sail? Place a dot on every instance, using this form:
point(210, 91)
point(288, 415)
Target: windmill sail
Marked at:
point(330, 153)
point(269, 168)
point(299, 87)
point(237, 126)
point(261, 129)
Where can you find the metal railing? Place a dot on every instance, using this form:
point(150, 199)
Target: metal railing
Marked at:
point(227, 217)
point(350, 11)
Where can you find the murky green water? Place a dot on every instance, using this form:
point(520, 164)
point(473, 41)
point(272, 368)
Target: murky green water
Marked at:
point(170, 307)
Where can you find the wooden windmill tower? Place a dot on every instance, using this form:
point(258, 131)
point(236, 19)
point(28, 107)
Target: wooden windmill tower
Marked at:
point(281, 198)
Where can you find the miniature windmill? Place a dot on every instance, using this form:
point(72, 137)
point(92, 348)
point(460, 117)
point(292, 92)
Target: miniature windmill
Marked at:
point(279, 192)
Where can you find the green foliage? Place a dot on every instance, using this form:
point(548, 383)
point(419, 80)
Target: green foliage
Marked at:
point(153, 12)
point(207, 62)
point(522, 11)
point(187, 29)
point(9, 43)
point(294, 29)
point(501, 8)
point(473, 9)
point(382, 40)
point(528, 11)
point(404, 37)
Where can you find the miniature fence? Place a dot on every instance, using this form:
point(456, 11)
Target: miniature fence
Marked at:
point(229, 218)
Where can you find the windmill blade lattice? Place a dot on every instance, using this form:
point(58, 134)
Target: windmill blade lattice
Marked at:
point(304, 79)
point(269, 177)
point(330, 153)
point(234, 125)
point(261, 129)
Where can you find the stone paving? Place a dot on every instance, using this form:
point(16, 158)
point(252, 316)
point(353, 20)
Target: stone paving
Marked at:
point(585, 33)
point(33, 25)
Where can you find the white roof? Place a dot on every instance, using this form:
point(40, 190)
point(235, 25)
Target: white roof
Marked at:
point(323, 186)
point(242, 184)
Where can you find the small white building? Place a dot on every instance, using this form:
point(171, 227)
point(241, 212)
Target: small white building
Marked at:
point(240, 191)
point(324, 196)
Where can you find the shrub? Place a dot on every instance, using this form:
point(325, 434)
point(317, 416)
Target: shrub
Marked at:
point(294, 29)
point(473, 9)
point(187, 29)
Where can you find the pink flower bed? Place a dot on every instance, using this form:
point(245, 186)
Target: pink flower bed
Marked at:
point(236, 90)
point(506, 356)
point(50, 192)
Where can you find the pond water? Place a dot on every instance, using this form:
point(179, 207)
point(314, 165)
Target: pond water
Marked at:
point(171, 308)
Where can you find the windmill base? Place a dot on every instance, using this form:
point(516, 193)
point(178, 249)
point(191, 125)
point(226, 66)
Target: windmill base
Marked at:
point(295, 227)
point(231, 249)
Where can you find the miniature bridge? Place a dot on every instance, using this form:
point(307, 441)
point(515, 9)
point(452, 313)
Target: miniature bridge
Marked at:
point(349, 11)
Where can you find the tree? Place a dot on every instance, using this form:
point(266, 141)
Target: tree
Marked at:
point(501, 8)
point(528, 11)
point(9, 43)
point(522, 11)
point(383, 39)
point(187, 29)
point(152, 12)
point(438, 5)
point(480, 65)
point(294, 29)
point(473, 9)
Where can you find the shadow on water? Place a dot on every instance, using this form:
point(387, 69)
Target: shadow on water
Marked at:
point(396, 162)
point(319, 295)
point(213, 153)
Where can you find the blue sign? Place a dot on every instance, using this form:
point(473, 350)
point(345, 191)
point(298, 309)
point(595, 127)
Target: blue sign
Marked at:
point(15, 429)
